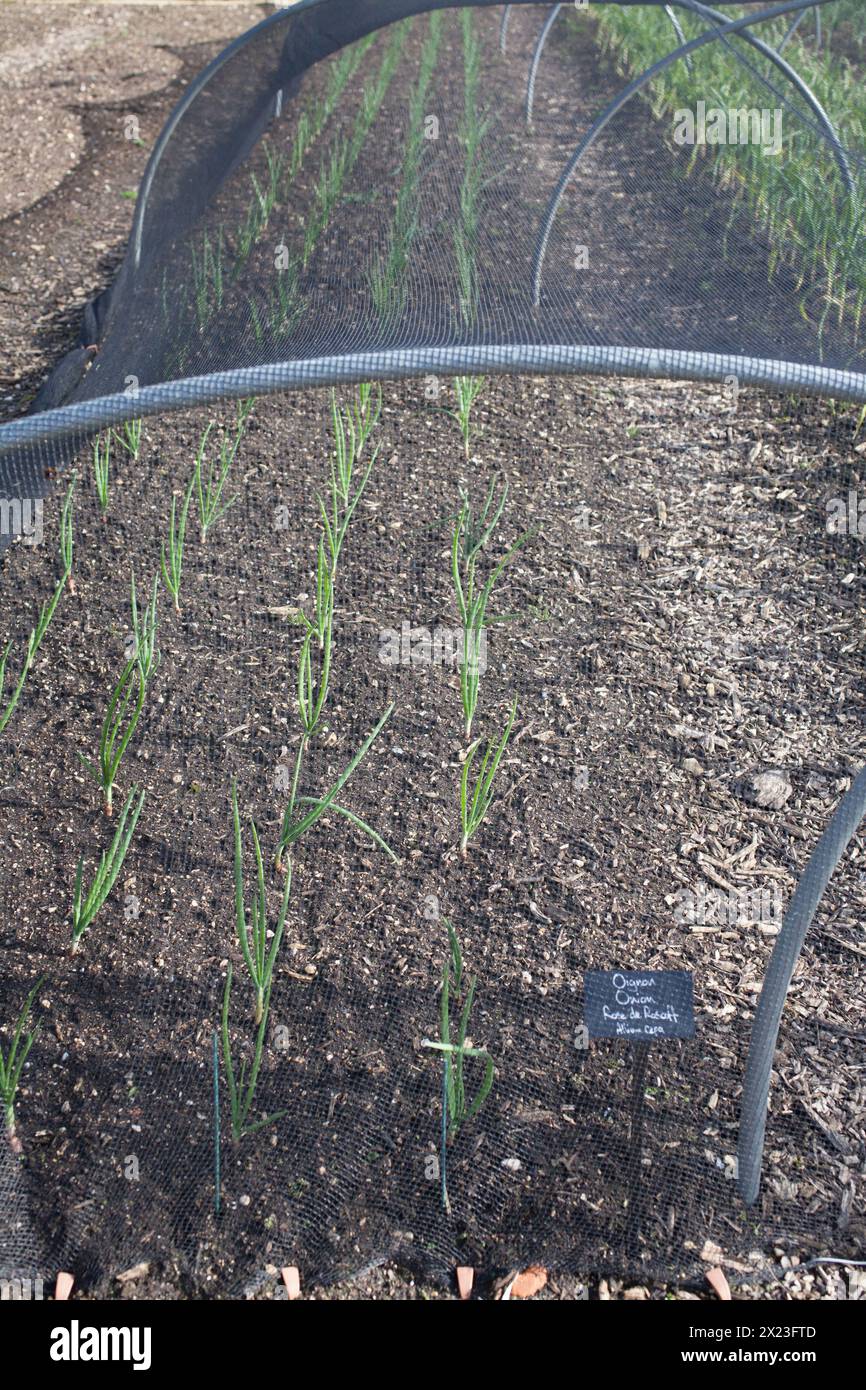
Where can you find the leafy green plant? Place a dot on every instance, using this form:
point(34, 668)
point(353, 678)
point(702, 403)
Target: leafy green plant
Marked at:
point(470, 537)
point(129, 437)
point(260, 959)
point(210, 488)
point(127, 699)
point(46, 613)
point(172, 560)
point(12, 1064)
point(242, 1088)
point(474, 804)
point(102, 470)
point(467, 389)
point(86, 907)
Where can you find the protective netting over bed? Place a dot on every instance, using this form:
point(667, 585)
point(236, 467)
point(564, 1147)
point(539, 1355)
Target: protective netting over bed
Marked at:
point(349, 193)
point(479, 187)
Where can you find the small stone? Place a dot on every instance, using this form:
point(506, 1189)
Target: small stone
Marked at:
point(693, 766)
point(512, 1164)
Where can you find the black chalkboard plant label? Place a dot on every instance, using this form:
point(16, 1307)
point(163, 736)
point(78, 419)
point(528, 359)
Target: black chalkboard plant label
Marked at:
point(639, 1005)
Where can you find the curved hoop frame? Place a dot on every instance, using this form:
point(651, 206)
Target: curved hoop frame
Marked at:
point(503, 29)
point(542, 40)
point(88, 417)
point(678, 28)
point(777, 979)
point(536, 60)
point(794, 26)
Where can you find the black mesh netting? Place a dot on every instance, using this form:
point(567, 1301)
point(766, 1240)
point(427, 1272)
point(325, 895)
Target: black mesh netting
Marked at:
point(355, 194)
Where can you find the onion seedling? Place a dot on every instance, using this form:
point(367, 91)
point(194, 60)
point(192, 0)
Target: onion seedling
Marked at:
point(12, 1065)
point(67, 534)
point(286, 303)
point(352, 429)
point(210, 489)
point(124, 711)
point(366, 411)
point(312, 689)
point(457, 1110)
point(467, 390)
point(129, 437)
point(474, 806)
point(292, 829)
point(469, 539)
point(208, 278)
point(242, 1089)
point(86, 908)
point(101, 470)
point(46, 613)
point(813, 230)
point(172, 562)
point(475, 533)
point(260, 960)
point(261, 206)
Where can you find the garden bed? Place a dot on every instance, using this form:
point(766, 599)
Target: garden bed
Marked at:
point(679, 621)
point(669, 657)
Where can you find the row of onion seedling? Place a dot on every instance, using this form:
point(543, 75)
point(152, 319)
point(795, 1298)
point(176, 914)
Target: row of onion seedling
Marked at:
point(127, 698)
